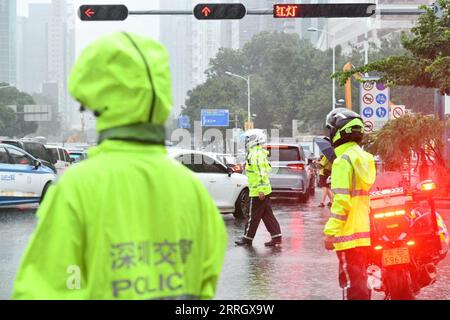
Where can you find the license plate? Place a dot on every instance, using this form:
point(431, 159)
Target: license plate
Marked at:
point(393, 257)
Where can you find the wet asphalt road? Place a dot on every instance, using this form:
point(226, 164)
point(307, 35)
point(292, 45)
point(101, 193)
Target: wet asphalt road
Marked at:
point(300, 269)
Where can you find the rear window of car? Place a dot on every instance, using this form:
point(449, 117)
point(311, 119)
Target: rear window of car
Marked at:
point(284, 153)
point(54, 152)
point(38, 150)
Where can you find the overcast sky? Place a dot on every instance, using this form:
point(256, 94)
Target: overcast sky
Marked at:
point(88, 31)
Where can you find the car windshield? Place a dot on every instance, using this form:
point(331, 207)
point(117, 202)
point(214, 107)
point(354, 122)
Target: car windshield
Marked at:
point(38, 150)
point(54, 153)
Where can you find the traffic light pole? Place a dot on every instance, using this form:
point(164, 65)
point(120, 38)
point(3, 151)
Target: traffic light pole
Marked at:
point(268, 12)
point(211, 11)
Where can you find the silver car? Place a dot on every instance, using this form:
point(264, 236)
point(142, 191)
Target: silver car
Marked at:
point(290, 176)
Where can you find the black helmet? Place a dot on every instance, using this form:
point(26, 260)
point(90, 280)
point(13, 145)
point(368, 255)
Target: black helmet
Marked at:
point(344, 125)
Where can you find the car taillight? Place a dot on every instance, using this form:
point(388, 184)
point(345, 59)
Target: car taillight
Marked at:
point(296, 166)
point(389, 214)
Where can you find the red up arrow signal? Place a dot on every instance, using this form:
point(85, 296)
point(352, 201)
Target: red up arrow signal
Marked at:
point(206, 11)
point(89, 13)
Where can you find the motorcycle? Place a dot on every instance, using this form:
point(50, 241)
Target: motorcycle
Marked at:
point(409, 238)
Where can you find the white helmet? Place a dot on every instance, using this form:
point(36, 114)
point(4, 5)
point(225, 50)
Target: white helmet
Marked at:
point(254, 137)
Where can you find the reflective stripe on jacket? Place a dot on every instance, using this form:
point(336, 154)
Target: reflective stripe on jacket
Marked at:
point(257, 169)
point(353, 174)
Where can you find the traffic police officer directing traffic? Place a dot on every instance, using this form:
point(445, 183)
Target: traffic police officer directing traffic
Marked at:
point(257, 168)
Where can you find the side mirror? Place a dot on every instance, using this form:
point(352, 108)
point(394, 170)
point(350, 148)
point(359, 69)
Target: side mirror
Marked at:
point(230, 171)
point(37, 164)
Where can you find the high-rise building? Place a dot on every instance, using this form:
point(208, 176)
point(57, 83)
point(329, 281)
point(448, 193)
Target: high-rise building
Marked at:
point(8, 41)
point(175, 33)
point(61, 53)
point(352, 31)
point(47, 52)
point(32, 58)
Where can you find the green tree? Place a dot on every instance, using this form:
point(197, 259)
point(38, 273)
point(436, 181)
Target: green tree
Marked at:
point(420, 138)
point(290, 79)
point(426, 62)
point(414, 98)
point(412, 137)
point(14, 125)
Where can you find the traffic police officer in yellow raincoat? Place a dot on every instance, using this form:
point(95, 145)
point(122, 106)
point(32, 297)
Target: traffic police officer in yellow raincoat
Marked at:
point(257, 169)
point(348, 228)
point(128, 222)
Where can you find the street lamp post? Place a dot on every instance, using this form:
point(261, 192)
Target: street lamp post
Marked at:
point(334, 61)
point(247, 79)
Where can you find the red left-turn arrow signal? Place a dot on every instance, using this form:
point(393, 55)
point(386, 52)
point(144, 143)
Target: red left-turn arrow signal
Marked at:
point(89, 13)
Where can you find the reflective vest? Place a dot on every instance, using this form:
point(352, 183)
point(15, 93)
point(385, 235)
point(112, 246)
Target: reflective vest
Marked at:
point(352, 176)
point(325, 166)
point(257, 169)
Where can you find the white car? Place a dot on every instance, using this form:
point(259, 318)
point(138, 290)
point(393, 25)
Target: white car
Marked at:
point(23, 178)
point(62, 157)
point(228, 189)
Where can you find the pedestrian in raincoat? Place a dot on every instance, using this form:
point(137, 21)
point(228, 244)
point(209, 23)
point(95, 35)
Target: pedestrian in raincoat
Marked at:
point(128, 222)
point(324, 174)
point(257, 168)
point(348, 228)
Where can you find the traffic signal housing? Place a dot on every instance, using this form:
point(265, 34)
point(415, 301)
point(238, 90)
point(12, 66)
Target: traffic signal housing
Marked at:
point(219, 11)
point(337, 10)
point(103, 12)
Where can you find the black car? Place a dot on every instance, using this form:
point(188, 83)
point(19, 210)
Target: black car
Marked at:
point(36, 149)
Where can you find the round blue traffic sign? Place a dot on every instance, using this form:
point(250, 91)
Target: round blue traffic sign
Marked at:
point(367, 112)
point(381, 98)
point(381, 112)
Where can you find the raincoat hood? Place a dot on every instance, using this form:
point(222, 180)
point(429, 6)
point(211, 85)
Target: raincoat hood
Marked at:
point(125, 79)
point(361, 162)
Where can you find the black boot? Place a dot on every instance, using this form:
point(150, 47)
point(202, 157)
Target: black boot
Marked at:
point(274, 242)
point(243, 242)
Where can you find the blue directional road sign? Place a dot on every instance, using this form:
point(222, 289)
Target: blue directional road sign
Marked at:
point(184, 122)
point(215, 117)
point(381, 112)
point(381, 98)
point(368, 112)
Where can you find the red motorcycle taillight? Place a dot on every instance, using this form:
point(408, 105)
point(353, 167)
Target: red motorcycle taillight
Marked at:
point(299, 167)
